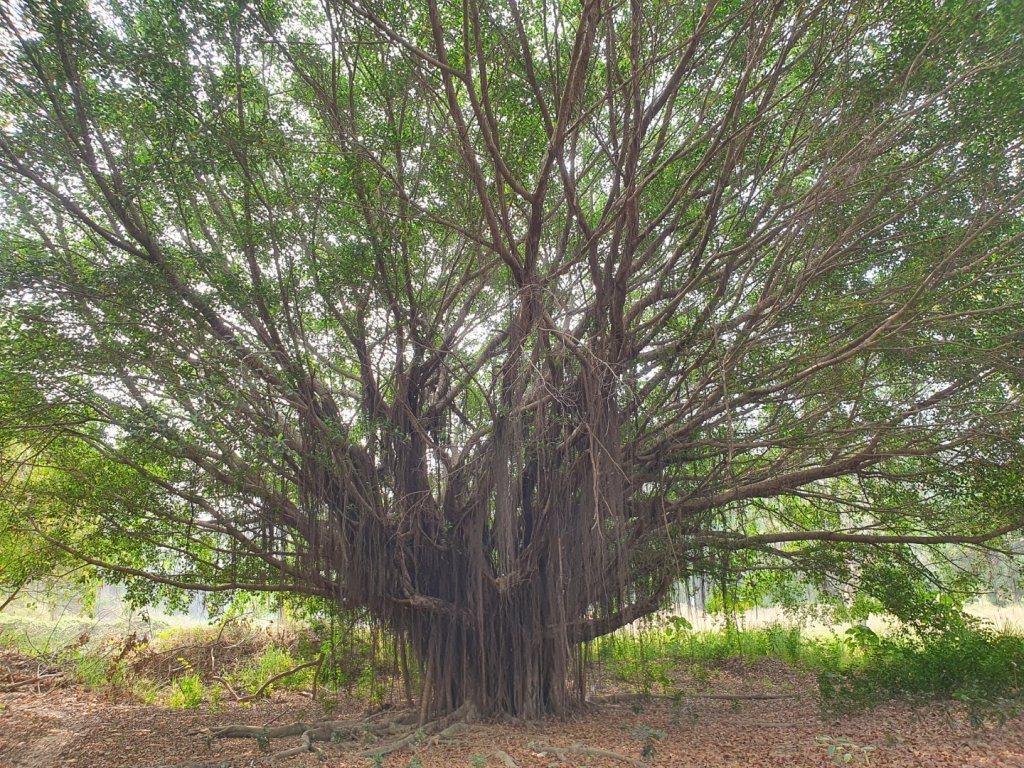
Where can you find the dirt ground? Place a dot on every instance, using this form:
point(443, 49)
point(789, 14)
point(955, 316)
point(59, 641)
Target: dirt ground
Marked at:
point(70, 726)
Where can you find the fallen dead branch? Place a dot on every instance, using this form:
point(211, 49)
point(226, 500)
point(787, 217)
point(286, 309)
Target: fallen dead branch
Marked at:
point(22, 673)
point(38, 682)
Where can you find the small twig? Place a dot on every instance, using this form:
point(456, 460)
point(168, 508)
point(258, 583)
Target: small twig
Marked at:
point(231, 690)
point(36, 681)
point(223, 626)
point(275, 678)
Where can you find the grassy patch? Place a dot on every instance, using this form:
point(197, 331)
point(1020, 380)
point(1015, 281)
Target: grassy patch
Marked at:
point(963, 660)
point(252, 673)
point(189, 692)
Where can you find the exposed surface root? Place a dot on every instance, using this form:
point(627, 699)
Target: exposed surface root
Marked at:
point(388, 732)
point(505, 758)
point(628, 698)
point(435, 731)
point(581, 749)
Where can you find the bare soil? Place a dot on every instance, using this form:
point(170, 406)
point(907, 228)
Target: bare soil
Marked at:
point(71, 726)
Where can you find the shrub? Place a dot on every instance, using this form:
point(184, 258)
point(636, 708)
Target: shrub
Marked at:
point(90, 670)
point(189, 692)
point(970, 663)
point(274, 660)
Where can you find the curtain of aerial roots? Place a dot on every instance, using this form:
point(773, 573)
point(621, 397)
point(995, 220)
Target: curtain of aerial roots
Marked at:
point(495, 568)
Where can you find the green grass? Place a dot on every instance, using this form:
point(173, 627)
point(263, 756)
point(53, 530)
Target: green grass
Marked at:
point(89, 669)
point(663, 643)
point(189, 692)
point(274, 660)
point(967, 661)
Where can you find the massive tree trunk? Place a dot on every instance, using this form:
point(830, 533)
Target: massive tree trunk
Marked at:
point(499, 573)
point(513, 664)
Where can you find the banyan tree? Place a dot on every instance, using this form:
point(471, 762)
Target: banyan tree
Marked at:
point(495, 319)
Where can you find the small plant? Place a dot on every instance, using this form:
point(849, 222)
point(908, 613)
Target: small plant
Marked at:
point(982, 707)
point(90, 670)
point(377, 760)
point(367, 687)
point(700, 673)
point(189, 692)
point(676, 627)
point(648, 675)
point(263, 741)
point(968, 662)
point(649, 736)
point(143, 690)
point(478, 761)
point(843, 751)
point(215, 698)
point(415, 763)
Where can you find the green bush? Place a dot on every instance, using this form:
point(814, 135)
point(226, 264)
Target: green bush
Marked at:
point(967, 662)
point(90, 670)
point(189, 692)
point(274, 660)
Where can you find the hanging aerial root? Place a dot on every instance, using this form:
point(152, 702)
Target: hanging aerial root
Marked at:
point(387, 734)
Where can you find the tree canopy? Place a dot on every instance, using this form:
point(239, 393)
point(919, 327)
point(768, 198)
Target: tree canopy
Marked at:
point(495, 319)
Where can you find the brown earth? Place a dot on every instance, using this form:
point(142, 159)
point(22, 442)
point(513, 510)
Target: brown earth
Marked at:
point(70, 726)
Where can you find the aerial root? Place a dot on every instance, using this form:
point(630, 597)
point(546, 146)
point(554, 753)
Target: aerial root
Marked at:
point(435, 732)
point(505, 758)
point(581, 749)
point(389, 733)
point(308, 737)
